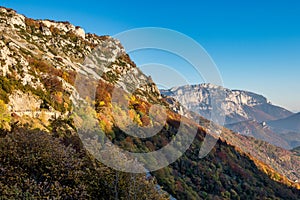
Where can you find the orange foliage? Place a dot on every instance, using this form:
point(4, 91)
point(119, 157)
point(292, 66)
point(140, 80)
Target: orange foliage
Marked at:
point(131, 114)
point(105, 123)
point(69, 75)
point(31, 23)
point(54, 30)
point(104, 92)
point(58, 97)
point(145, 120)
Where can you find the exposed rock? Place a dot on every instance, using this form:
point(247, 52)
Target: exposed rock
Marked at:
point(68, 50)
point(15, 20)
point(64, 27)
point(80, 32)
point(23, 103)
point(237, 105)
point(46, 31)
point(18, 20)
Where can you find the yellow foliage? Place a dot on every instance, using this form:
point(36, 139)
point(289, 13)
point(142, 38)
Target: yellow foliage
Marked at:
point(105, 123)
point(43, 118)
point(5, 117)
point(133, 99)
point(101, 103)
point(274, 175)
point(137, 119)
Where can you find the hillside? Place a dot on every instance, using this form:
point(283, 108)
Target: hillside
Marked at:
point(59, 92)
point(41, 153)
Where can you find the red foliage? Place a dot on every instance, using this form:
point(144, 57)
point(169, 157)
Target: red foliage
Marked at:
point(179, 186)
point(41, 66)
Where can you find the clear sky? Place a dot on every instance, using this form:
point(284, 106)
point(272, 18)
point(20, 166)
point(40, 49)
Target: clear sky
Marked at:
point(255, 44)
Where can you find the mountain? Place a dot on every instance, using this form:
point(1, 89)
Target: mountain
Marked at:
point(291, 123)
point(244, 112)
point(281, 136)
point(283, 133)
point(288, 129)
point(259, 131)
point(41, 153)
point(238, 105)
point(66, 95)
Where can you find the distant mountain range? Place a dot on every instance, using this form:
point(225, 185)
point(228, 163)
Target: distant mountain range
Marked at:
point(283, 138)
point(259, 131)
point(245, 112)
point(284, 132)
point(238, 105)
point(291, 123)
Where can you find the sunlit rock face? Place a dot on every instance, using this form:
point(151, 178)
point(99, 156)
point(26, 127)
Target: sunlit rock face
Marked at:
point(237, 105)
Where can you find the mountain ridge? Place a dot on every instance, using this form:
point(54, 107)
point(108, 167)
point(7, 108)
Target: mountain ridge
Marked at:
point(238, 106)
point(259, 131)
point(291, 123)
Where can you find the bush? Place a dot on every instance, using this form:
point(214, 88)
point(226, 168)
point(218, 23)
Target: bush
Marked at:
point(36, 165)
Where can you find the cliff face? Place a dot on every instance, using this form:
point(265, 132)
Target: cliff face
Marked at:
point(48, 69)
point(238, 105)
point(45, 58)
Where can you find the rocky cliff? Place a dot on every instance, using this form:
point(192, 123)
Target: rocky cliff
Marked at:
point(237, 106)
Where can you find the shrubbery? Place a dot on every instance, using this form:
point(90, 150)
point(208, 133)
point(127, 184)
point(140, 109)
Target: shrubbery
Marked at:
point(37, 165)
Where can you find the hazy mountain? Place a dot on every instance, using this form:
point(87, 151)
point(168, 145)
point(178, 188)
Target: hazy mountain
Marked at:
point(238, 105)
point(286, 139)
point(284, 132)
point(260, 131)
point(55, 80)
point(288, 129)
point(291, 123)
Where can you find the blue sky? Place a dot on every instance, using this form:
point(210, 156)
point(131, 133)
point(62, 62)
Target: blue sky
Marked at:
point(255, 44)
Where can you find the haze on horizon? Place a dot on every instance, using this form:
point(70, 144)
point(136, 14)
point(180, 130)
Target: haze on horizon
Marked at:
point(255, 45)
